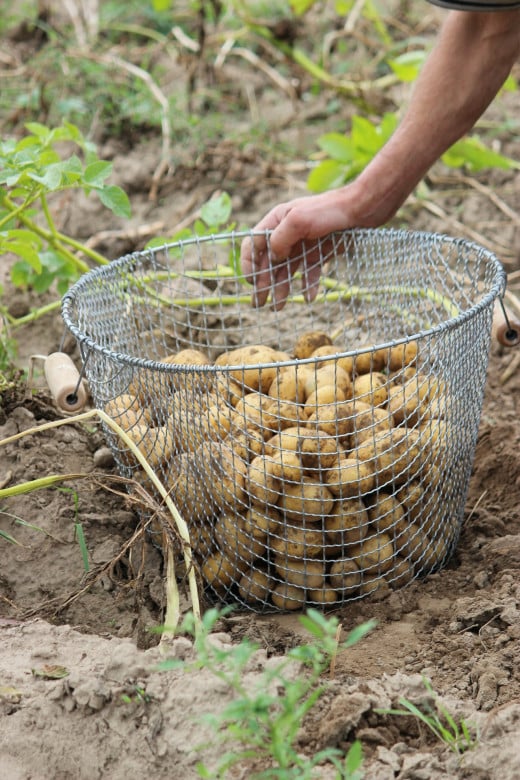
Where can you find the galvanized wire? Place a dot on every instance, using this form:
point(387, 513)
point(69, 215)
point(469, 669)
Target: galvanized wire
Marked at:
point(291, 500)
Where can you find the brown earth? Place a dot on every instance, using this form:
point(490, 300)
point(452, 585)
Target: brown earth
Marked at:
point(460, 627)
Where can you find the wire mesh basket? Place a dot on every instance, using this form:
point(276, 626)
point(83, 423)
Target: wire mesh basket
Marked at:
point(319, 453)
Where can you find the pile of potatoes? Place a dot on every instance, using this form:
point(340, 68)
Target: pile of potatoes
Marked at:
point(312, 479)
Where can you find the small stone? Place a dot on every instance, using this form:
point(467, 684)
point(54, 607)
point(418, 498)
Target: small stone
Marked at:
point(103, 458)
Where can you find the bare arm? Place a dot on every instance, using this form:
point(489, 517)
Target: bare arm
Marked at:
point(472, 58)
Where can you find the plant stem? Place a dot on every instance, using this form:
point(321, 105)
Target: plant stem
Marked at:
point(33, 315)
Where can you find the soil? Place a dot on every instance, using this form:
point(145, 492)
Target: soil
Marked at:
point(459, 627)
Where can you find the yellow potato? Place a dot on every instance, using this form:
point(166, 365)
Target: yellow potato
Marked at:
point(323, 396)
point(350, 478)
point(249, 359)
point(407, 456)
point(374, 554)
point(410, 542)
point(219, 572)
point(345, 577)
point(401, 574)
point(378, 456)
point(232, 538)
point(404, 405)
point(286, 414)
point(368, 423)
point(323, 596)
point(248, 443)
point(371, 388)
point(255, 586)
point(288, 597)
point(412, 498)
point(194, 380)
point(436, 554)
point(126, 411)
point(288, 440)
point(297, 541)
point(385, 511)
point(346, 524)
point(306, 501)
point(156, 445)
point(369, 361)
point(305, 574)
point(255, 409)
point(377, 587)
point(287, 466)
point(318, 450)
point(402, 355)
point(262, 486)
point(289, 384)
point(334, 419)
point(322, 374)
point(189, 489)
point(224, 474)
point(308, 342)
point(228, 390)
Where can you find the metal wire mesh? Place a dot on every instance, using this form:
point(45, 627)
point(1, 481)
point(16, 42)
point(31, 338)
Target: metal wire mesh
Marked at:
point(330, 457)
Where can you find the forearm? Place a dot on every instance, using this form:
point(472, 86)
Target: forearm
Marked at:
point(464, 72)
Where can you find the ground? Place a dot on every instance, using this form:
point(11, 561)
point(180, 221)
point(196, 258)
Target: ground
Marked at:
point(460, 627)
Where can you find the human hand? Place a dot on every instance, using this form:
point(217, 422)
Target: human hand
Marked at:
point(290, 244)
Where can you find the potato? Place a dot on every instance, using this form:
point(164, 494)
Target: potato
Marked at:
point(346, 524)
point(320, 375)
point(378, 456)
point(350, 478)
point(315, 448)
point(232, 538)
point(224, 474)
point(322, 596)
point(404, 405)
point(407, 456)
point(368, 423)
point(194, 380)
point(286, 414)
point(228, 390)
point(318, 450)
point(402, 355)
point(401, 574)
point(189, 488)
point(249, 358)
point(377, 587)
point(288, 597)
point(345, 577)
point(323, 396)
point(410, 542)
point(287, 466)
point(436, 554)
point(255, 586)
point(305, 501)
point(412, 498)
point(385, 511)
point(201, 537)
point(305, 574)
point(289, 384)
point(296, 541)
point(248, 443)
point(308, 342)
point(262, 486)
point(255, 409)
point(369, 361)
point(219, 572)
point(126, 411)
point(155, 444)
point(371, 388)
point(217, 421)
point(334, 419)
point(374, 554)
point(258, 523)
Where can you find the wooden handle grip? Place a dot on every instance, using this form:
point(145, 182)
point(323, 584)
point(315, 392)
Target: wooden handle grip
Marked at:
point(70, 395)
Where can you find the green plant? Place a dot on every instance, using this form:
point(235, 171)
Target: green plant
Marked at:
point(455, 734)
point(32, 169)
point(261, 725)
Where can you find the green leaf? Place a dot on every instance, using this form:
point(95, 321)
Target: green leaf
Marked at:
point(326, 175)
point(96, 173)
point(20, 274)
point(299, 7)
point(161, 5)
point(407, 66)
point(474, 155)
point(217, 211)
point(27, 252)
point(337, 146)
point(116, 200)
point(359, 632)
point(39, 130)
point(51, 179)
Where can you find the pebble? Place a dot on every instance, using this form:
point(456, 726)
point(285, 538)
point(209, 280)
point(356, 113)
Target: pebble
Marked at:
point(103, 458)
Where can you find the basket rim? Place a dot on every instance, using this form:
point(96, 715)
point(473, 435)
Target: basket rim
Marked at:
point(68, 300)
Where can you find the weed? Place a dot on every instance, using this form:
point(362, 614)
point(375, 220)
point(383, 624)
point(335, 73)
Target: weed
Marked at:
point(261, 725)
point(454, 734)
